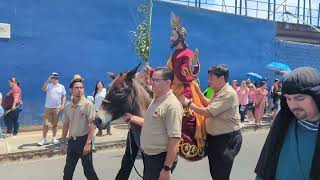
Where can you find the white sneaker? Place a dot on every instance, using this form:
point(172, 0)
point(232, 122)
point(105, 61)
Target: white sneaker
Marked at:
point(43, 142)
point(54, 141)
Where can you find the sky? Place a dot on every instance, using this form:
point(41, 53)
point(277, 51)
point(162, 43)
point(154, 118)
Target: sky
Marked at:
point(287, 5)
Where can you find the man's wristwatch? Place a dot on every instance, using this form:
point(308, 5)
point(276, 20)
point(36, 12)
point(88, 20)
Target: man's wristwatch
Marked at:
point(166, 168)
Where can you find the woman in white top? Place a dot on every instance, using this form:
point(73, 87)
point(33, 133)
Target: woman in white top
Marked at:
point(99, 95)
point(1, 113)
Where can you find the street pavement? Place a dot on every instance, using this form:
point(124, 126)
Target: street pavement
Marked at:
point(108, 162)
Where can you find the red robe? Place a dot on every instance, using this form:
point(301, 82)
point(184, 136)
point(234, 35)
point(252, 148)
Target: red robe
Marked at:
point(184, 72)
point(192, 146)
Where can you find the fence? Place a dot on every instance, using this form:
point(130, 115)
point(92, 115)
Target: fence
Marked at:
point(304, 12)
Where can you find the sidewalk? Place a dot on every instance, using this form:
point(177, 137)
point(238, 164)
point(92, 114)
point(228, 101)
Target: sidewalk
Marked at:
point(24, 146)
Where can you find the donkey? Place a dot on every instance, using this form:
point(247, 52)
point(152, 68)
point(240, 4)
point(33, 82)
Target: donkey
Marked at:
point(125, 95)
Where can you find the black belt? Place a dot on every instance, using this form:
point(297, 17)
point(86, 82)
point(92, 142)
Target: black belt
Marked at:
point(74, 138)
point(227, 134)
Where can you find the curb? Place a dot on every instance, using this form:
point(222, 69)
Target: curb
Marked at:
point(48, 153)
point(55, 151)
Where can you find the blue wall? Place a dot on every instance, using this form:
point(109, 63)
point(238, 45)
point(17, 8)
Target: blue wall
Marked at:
point(93, 37)
point(244, 44)
point(298, 54)
point(69, 37)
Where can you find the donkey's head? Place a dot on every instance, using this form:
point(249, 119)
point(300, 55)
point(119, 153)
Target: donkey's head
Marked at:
point(124, 95)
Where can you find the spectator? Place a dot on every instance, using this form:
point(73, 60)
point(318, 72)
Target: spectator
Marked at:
point(55, 102)
point(209, 92)
point(251, 100)
point(13, 107)
point(275, 93)
point(248, 82)
point(234, 84)
point(260, 102)
point(99, 94)
point(1, 113)
point(243, 93)
point(144, 76)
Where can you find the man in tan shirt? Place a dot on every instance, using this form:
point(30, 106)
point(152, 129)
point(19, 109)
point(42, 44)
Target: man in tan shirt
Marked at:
point(222, 122)
point(161, 128)
point(78, 119)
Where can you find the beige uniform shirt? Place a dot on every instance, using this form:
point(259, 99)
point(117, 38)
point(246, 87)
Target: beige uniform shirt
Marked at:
point(79, 117)
point(162, 120)
point(224, 110)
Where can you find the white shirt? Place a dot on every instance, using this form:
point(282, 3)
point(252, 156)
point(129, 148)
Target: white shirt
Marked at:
point(54, 95)
point(99, 97)
point(1, 108)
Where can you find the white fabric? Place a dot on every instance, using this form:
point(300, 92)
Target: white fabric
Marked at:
point(99, 97)
point(1, 108)
point(1, 111)
point(54, 94)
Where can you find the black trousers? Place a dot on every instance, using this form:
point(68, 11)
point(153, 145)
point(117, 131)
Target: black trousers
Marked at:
point(12, 121)
point(74, 152)
point(153, 165)
point(243, 113)
point(222, 150)
point(128, 159)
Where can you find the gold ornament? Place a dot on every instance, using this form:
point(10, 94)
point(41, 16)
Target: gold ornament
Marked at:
point(177, 25)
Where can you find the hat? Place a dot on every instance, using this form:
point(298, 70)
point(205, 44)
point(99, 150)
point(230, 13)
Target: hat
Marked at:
point(54, 75)
point(76, 78)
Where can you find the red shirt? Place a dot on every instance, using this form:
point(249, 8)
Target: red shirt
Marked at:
point(8, 102)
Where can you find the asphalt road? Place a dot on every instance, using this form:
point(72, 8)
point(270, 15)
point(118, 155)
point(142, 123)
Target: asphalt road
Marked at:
point(107, 164)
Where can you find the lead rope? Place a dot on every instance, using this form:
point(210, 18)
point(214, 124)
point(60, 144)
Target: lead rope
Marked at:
point(130, 148)
point(133, 160)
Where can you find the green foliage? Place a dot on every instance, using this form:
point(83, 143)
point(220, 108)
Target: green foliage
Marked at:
point(142, 35)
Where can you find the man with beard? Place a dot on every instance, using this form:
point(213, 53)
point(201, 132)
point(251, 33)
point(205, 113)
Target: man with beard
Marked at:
point(185, 65)
point(292, 148)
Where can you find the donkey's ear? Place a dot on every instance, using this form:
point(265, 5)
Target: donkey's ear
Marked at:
point(132, 73)
point(112, 75)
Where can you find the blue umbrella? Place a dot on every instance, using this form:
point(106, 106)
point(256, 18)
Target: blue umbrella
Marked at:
point(278, 67)
point(254, 77)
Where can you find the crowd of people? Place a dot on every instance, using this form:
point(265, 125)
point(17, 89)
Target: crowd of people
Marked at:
point(181, 120)
point(254, 99)
point(54, 105)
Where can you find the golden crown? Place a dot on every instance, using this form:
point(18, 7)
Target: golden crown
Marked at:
point(177, 25)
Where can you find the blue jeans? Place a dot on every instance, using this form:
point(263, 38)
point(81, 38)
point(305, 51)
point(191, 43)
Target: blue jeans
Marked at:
point(11, 120)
